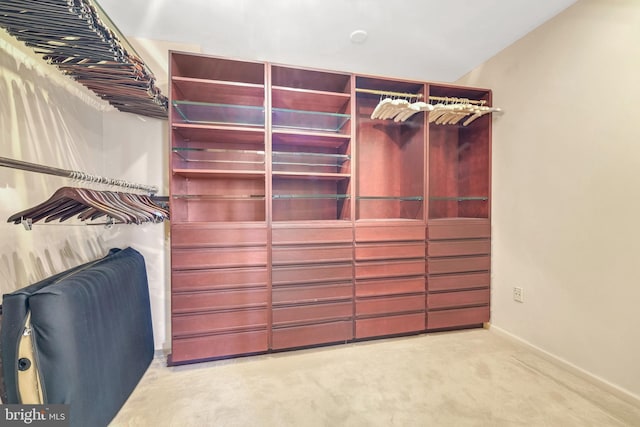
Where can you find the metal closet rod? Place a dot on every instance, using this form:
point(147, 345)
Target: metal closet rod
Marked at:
point(82, 176)
point(419, 95)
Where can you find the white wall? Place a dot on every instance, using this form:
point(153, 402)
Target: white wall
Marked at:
point(566, 188)
point(48, 119)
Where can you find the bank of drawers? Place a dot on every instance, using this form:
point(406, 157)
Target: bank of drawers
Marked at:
point(458, 272)
point(312, 285)
point(220, 298)
point(389, 273)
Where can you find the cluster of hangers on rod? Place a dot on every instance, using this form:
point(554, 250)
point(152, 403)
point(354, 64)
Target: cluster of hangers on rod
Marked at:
point(399, 106)
point(86, 204)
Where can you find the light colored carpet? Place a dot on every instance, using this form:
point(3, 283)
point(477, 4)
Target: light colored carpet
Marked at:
point(464, 378)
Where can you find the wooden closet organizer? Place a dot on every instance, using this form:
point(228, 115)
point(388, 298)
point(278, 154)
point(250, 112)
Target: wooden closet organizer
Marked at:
point(297, 220)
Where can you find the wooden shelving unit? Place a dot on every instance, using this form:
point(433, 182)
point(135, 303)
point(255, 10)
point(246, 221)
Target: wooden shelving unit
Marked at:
point(297, 220)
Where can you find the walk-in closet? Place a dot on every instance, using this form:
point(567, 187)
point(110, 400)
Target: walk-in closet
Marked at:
point(279, 213)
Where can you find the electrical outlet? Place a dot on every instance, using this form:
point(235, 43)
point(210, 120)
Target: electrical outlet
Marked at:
point(518, 294)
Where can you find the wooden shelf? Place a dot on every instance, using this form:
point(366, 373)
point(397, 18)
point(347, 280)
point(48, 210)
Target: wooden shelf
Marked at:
point(209, 173)
point(224, 92)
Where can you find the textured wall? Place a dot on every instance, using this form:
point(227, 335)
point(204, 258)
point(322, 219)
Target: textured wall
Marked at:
point(48, 119)
point(566, 169)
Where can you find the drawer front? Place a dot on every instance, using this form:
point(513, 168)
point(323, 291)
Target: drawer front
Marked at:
point(459, 228)
point(367, 270)
point(219, 278)
point(458, 299)
point(457, 317)
point(311, 293)
point(458, 265)
point(203, 301)
point(218, 258)
point(458, 247)
point(390, 325)
point(311, 273)
point(192, 324)
point(218, 345)
point(312, 313)
point(372, 251)
point(300, 336)
point(311, 235)
point(377, 306)
point(372, 288)
point(390, 233)
point(183, 235)
point(316, 254)
point(458, 281)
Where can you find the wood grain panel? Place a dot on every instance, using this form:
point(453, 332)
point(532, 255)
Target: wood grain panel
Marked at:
point(311, 274)
point(301, 336)
point(202, 280)
point(458, 281)
point(205, 301)
point(379, 251)
point(388, 233)
point(458, 264)
point(392, 305)
point(379, 287)
point(457, 317)
point(458, 247)
point(214, 322)
point(311, 235)
point(390, 325)
point(183, 235)
point(459, 228)
point(312, 313)
point(458, 299)
point(218, 345)
point(368, 270)
point(184, 259)
point(311, 293)
point(315, 254)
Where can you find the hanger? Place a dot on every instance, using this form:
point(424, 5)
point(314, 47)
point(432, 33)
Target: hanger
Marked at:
point(87, 204)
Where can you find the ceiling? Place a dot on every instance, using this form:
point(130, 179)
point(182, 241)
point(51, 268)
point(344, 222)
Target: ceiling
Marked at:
point(436, 40)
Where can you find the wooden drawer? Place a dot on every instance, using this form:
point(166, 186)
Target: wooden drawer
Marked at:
point(459, 228)
point(379, 251)
point(315, 254)
point(392, 305)
point(311, 235)
point(390, 325)
point(193, 324)
point(458, 247)
point(311, 273)
point(458, 264)
point(191, 302)
point(458, 299)
point(183, 235)
point(323, 333)
point(368, 270)
point(201, 280)
point(185, 259)
point(218, 345)
point(311, 293)
point(458, 281)
point(310, 313)
point(389, 233)
point(457, 317)
point(378, 287)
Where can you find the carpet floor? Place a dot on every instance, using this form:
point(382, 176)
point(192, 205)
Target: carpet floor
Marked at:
point(465, 378)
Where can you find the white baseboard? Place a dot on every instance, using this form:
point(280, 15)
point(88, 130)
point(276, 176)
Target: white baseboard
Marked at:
point(617, 391)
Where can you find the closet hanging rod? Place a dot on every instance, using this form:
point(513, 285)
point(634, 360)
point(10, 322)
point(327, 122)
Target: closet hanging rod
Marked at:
point(419, 95)
point(386, 92)
point(82, 176)
point(456, 99)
